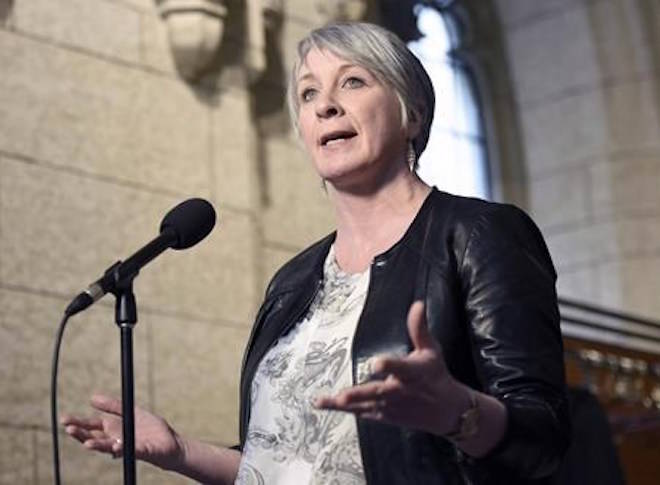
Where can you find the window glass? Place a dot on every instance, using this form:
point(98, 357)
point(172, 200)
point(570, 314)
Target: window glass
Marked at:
point(455, 158)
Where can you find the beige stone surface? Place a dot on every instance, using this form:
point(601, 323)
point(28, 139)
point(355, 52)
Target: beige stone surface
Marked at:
point(78, 466)
point(301, 11)
point(155, 47)
point(196, 368)
point(560, 199)
point(575, 48)
point(288, 220)
point(632, 284)
point(627, 284)
point(83, 467)
point(292, 33)
point(151, 475)
point(17, 454)
point(215, 280)
point(101, 118)
point(581, 284)
point(98, 26)
point(632, 116)
point(575, 129)
point(590, 244)
point(515, 13)
point(273, 259)
point(143, 5)
point(627, 187)
point(58, 242)
point(559, 133)
point(553, 55)
point(89, 357)
point(620, 39)
point(233, 151)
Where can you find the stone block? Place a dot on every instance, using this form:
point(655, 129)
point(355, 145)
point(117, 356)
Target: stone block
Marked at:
point(66, 230)
point(234, 152)
point(101, 27)
point(552, 55)
point(632, 116)
point(83, 467)
point(576, 247)
point(298, 212)
point(274, 259)
point(610, 240)
point(632, 285)
point(626, 187)
point(89, 358)
point(560, 199)
point(301, 11)
point(620, 40)
point(143, 5)
point(579, 284)
point(151, 475)
point(558, 133)
point(155, 45)
point(100, 118)
point(573, 129)
point(196, 370)
point(17, 455)
point(513, 13)
point(78, 466)
point(291, 32)
point(215, 280)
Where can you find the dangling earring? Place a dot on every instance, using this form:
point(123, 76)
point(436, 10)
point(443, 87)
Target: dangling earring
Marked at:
point(411, 156)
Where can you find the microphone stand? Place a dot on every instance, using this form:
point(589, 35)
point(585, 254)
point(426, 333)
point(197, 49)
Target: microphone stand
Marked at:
point(126, 318)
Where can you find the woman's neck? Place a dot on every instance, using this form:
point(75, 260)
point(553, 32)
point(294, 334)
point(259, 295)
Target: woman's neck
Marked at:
point(369, 224)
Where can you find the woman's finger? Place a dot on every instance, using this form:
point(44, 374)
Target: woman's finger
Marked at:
point(375, 391)
point(418, 330)
point(90, 423)
point(80, 434)
point(106, 404)
point(104, 445)
point(407, 369)
point(83, 434)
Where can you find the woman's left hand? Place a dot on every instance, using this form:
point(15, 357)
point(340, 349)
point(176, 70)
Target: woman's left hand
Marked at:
point(417, 392)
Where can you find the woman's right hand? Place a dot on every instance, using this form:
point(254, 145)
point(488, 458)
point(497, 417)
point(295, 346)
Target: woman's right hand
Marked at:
point(155, 441)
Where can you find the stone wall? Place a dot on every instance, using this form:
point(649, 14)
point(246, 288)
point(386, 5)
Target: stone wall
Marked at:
point(99, 137)
point(585, 78)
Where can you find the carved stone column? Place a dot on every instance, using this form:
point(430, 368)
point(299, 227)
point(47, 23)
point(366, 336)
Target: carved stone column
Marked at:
point(264, 17)
point(194, 29)
point(341, 10)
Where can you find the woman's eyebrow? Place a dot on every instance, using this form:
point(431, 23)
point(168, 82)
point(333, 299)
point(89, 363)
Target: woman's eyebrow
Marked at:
point(340, 69)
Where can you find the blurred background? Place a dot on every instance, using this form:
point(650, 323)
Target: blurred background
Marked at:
point(112, 111)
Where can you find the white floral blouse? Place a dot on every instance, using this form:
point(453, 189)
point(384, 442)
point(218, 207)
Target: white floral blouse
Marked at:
point(288, 440)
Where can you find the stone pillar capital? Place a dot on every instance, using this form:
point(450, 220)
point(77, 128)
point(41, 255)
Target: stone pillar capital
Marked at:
point(194, 30)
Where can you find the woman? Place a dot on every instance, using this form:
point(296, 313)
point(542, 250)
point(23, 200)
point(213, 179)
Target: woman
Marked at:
point(419, 343)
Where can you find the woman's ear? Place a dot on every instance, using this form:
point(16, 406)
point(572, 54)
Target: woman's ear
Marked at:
point(414, 125)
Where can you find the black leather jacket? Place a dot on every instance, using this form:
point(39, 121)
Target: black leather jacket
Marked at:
point(489, 285)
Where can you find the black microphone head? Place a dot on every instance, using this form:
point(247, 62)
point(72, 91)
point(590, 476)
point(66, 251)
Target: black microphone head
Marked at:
point(190, 221)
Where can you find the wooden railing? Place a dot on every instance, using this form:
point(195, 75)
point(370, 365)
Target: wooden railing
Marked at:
point(616, 355)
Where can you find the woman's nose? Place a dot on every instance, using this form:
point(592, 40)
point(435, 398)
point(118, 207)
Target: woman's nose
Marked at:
point(327, 107)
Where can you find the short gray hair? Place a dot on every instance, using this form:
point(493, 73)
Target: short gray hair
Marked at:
point(384, 55)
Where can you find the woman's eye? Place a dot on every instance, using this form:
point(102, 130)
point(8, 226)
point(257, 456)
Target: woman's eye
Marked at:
point(307, 94)
point(354, 82)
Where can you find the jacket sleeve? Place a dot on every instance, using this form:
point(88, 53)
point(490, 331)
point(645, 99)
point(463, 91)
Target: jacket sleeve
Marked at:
point(508, 281)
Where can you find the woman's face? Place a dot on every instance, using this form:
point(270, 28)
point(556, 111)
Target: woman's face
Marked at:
point(350, 123)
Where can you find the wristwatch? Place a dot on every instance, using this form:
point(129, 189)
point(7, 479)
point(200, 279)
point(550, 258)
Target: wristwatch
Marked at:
point(468, 422)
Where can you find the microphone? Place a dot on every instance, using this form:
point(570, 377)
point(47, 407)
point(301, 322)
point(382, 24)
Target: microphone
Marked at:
point(182, 227)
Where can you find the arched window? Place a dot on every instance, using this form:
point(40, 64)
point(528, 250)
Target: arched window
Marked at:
point(455, 159)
